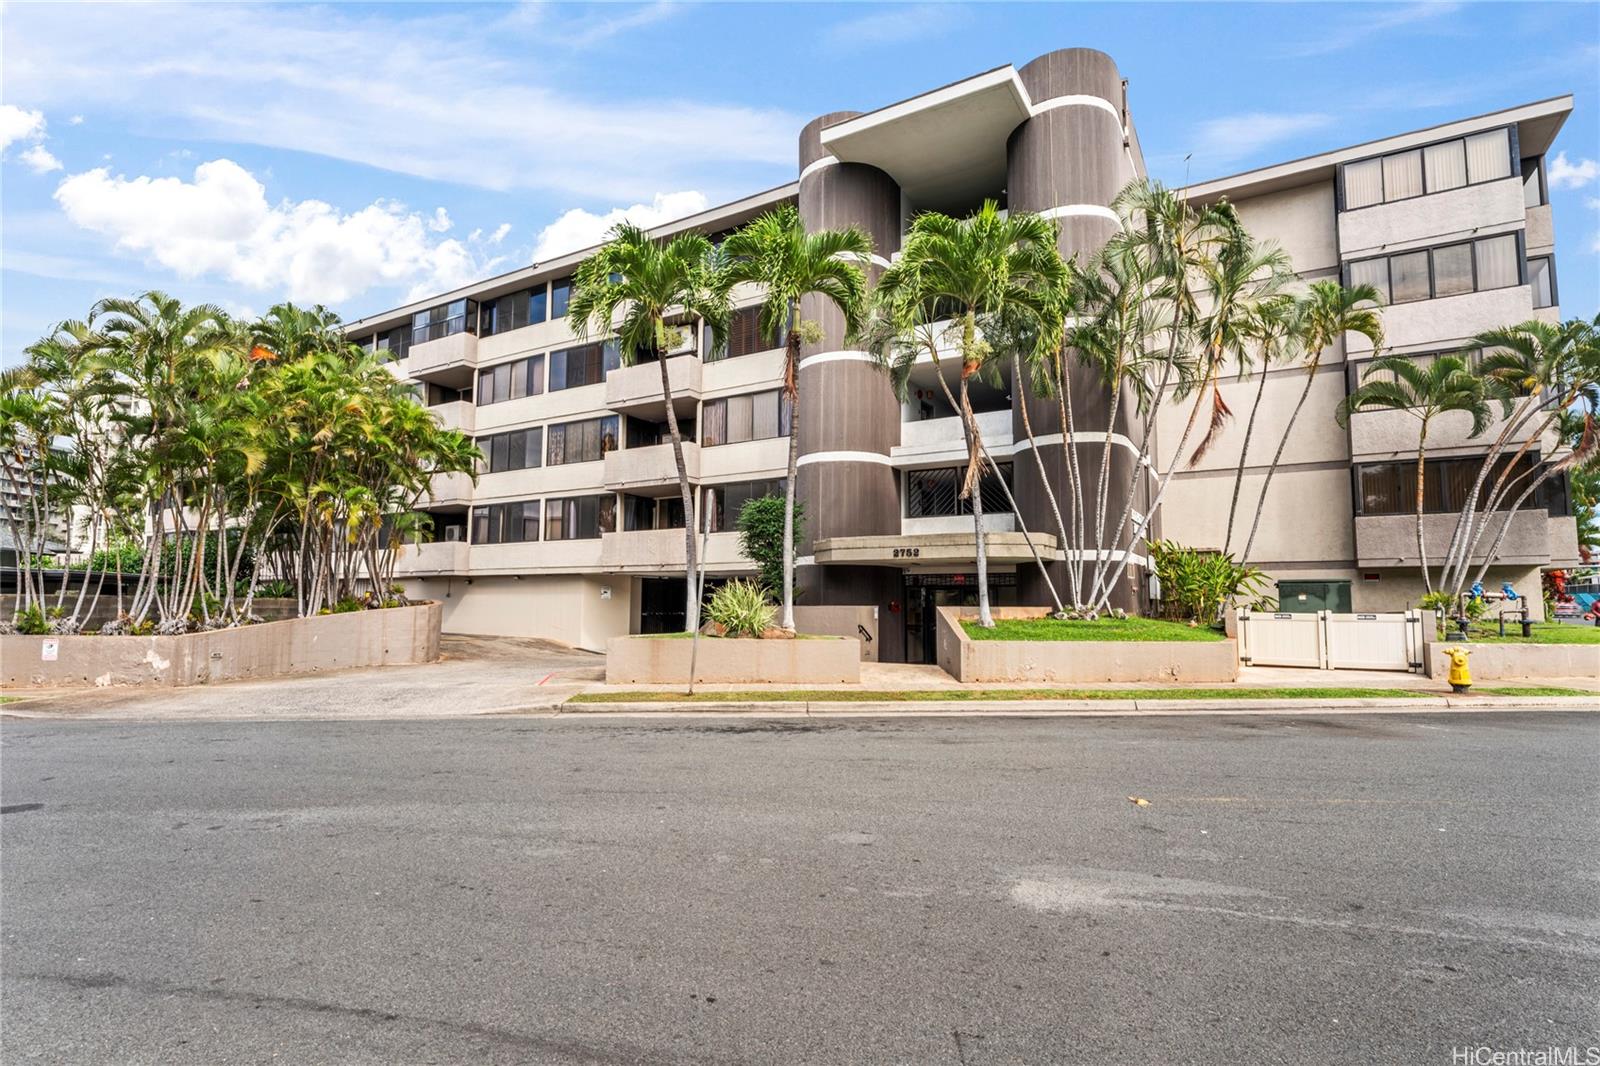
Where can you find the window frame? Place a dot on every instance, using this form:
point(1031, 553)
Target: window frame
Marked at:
point(1549, 260)
point(1511, 142)
point(1433, 294)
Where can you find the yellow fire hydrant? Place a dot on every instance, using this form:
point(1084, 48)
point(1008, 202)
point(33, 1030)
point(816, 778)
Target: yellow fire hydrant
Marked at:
point(1460, 675)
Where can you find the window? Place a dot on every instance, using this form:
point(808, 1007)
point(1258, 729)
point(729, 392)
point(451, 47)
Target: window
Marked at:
point(643, 513)
point(511, 381)
point(582, 442)
point(754, 416)
point(580, 517)
point(506, 523)
point(1533, 190)
point(1391, 488)
point(587, 364)
point(1486, 263)
point(934, 493)
point(560, 294)
point(643, 434)
point(744, 334)
point(457, 316)
point(512, 311)
point(1541, 275)
point(397, 341)
point(521, 449)
point(728, 500)
point(1433, 168)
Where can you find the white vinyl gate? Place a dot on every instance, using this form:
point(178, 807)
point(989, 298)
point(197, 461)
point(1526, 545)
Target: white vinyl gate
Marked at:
point(1329, 641)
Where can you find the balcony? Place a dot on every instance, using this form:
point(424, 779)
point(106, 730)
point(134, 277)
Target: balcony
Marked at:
point(636, 390)
point(457, 415)
point(450, 492)
point(449, 360)
point(650, 471)
point(942, 440)
point(445, 558)
point(1391, 540)
point(660, 551)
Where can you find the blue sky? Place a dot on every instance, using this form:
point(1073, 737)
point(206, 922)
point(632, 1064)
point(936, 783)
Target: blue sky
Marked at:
point(358, 154)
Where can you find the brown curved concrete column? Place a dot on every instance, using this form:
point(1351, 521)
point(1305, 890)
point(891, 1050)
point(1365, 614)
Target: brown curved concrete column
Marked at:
point(1068, 161)
point(849, 417)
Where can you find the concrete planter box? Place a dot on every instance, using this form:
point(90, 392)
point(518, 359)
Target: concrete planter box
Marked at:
point(1491, 662)
point(394, 636)
point(1077, 662)
point(665, 661)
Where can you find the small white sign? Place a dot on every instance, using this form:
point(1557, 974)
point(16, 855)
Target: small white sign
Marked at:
point(49, 650)
point(605, 592)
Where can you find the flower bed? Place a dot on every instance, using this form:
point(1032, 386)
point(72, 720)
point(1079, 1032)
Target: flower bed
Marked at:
point(1065, 652)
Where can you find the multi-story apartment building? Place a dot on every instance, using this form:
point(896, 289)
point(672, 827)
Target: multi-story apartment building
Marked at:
point(574, 530)
point(18, 492)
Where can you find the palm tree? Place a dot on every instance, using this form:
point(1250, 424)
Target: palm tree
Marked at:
point(633, 284)
point(987, 264)
point(776, 252)
point(1272, 328)
point(1324, 315)
point(1399, 383)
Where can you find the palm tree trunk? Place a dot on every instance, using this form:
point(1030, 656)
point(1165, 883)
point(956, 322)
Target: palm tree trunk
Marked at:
point(1277, 457)
point(1044, 479)
point(691, 600)
point(1496, 496)
point(1244, 452)
point(1422, 550)
point(1102, 485)
point(791, 389)
point(1466, 521)
point(1505, 526)
point(982, 556)
point(1072, 549)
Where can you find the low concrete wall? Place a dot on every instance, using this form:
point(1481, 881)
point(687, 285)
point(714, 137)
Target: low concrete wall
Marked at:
point(1077, 662)
point(665, 661)
point(394, 636)
point(837, 621)
point(1491, 662)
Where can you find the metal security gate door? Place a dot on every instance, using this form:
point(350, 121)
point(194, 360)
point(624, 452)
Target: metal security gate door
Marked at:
point(1329, 641)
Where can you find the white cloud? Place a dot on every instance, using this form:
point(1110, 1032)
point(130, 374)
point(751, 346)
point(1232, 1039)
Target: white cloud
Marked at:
point(489, 98)
point(1563, 174)
point(221, 224)
point(1233, 137)
point(895, 24)
point(582, 229)
point(19, 124)
point(440, 222)
point(500, 233)
point(39, 158)
point(75, 120)
point(1360, 23)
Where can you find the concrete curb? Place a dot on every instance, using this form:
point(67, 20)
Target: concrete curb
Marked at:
point(1080, 708)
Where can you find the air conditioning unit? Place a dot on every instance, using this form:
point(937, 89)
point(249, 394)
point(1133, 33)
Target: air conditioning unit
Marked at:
point(685, 342)
point(454, 533)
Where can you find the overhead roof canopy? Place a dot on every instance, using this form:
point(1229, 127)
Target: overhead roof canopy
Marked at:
point(946, 147)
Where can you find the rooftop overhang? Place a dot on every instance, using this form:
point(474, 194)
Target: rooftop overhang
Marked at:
point(930, 549)
point(945, 147)
point(1537, 125)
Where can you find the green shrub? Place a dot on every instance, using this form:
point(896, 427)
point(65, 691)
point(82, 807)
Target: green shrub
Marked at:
point(741, 608)
point(276, 589)
point(344, 606)
point(31, 620)
point(1198, 585)
point(761, 537)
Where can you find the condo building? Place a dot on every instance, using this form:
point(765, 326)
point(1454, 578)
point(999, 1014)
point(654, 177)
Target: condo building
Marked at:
point(574, 530)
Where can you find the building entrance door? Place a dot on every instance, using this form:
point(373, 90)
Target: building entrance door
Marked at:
point(661, 605)
point(925, 593)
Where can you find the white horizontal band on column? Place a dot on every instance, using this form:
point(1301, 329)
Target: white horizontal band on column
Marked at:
point(1091, 554)
point(1078, 101)
point(843, 457)
point(1080, 211)
point(835, 357)
point(805, 560)
point(816, 165)
point(1043, 439)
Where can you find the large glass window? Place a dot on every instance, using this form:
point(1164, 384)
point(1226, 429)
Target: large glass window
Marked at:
point(753, 416)
point(935, 493)
point(560, 294)
point(1452, 270)
point(1391, 488)
point(1408, 277)
point(512, 311)
point(1541, 275)
point(1433, 168)
point(580, 517)
point(744, 334)
point(586, 364)
point(1533, 191)
point(457, 316)
point(1374, 272)
point(581, 442)
point(519, 449)
point(397, 341)
point(1497, 259)
point(506, 523)
point(644, 513)
point(511, 381)
point(728, 499)
point(1486, 263)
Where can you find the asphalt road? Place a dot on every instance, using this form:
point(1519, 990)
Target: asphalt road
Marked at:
point(1340, 889)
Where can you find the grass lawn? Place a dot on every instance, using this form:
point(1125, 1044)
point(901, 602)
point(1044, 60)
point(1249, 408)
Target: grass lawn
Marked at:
point(1130, 628)
point(1543, 633)
point(963, 695)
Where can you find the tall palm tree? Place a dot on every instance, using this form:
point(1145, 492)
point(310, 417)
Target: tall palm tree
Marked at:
point(986, 264)
point(1399, 383)
point(776, 252)
point(633, 284)
point(1272, 330)
point(1325, 314)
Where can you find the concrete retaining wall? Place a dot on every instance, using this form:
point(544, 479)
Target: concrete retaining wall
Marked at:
point(1490, 662)
point(1077, 662)
point(665, 661)
point(394, 636)
point(840, 621)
